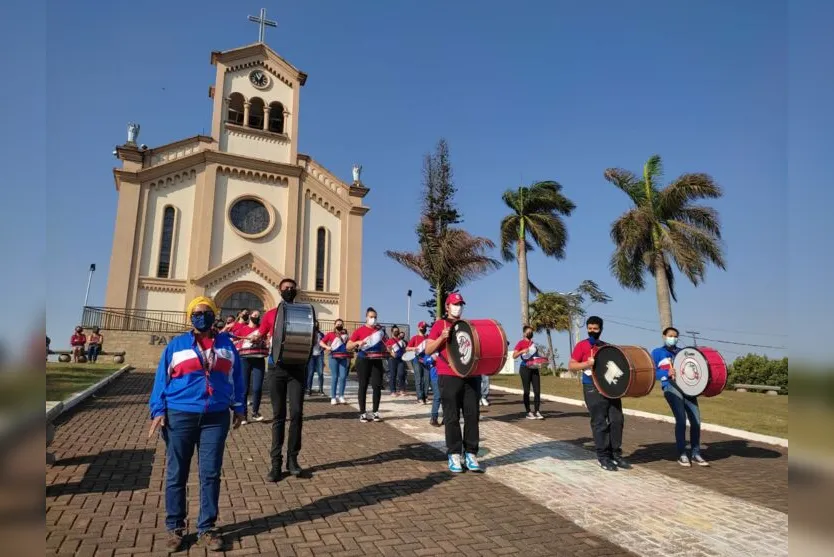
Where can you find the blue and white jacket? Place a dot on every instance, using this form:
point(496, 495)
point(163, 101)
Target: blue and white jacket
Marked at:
point(182, 382)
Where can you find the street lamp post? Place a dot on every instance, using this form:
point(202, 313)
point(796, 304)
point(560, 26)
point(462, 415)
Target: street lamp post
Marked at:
point(408, 318)
point(89, 281)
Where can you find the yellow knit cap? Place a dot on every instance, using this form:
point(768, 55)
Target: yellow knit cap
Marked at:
point(201, 300)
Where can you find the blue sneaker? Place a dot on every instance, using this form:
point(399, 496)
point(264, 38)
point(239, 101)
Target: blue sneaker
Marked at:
point(454, 464)
point(472, 463)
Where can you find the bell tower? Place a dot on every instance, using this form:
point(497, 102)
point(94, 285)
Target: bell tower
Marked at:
point(256, 101)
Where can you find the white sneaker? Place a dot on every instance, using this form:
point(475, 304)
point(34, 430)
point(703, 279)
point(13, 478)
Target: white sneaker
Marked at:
point(342, 400)
point(530, 416)
point(484, 402)
point(333, 402)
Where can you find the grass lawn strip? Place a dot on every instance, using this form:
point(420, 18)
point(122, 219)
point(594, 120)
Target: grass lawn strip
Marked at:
point(64, 380)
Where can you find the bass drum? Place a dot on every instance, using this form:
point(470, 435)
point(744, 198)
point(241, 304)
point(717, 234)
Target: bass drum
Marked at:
point(293, 337)
point(477, 347)
point(623, 371)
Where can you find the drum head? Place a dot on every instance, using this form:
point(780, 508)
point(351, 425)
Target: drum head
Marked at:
point(408, 356)
point(461, 348)
point(612, 372)
point(293, 336)
point(691, 371)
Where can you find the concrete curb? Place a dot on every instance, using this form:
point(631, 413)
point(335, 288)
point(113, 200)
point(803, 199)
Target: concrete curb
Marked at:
point(77, 398)
point(740, 433)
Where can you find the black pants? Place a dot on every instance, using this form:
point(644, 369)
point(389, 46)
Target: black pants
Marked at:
point(286, 384)
point(606, 422)
point(531, 377)
point(456, 394)
point(370, 371)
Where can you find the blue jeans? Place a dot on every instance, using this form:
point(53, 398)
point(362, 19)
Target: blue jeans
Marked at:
point(421, 379)
point(435, 398)
point(183, 432)
point(396, 374)
point(484, 386)
point(315, 365)
point(93, 350)
point(684, 407)
point(338, 376)
point(253, 380)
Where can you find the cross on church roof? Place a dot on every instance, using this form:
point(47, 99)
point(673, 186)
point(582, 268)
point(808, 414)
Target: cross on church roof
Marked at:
point(263, 23)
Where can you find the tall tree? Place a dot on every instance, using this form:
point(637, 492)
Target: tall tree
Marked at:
point(535, 218)
point(587, 290)
point(551, 311)
point(448, 257)
point(665, 226)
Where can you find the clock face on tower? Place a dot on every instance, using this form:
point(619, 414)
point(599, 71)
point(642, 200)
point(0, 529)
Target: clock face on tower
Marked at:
point(259, 79)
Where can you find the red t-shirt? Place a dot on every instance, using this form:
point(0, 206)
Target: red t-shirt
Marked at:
point(442, 362)
point(205, 342)
point(78, 339)
point(415, 341)
point(241, 330)
point(581, 352)
point(523, 344)
point(268, 322)
point(364, 332)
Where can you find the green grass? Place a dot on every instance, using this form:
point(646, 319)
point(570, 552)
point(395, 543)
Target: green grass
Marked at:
point(756, 412)
point(64, 380)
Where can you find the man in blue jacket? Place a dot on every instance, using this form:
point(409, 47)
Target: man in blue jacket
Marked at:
point(198, 380)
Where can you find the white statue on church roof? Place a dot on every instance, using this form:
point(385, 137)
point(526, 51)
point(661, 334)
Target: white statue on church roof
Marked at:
point(357, 171)
point(132, 132)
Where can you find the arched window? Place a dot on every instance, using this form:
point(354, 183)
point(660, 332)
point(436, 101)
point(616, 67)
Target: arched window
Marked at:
point(256, 114)
point(321, 258)
point(235, 115)
point(241, 300)
point(166, 242)
point(276, 117)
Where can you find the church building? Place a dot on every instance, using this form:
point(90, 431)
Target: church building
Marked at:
point(228, 215)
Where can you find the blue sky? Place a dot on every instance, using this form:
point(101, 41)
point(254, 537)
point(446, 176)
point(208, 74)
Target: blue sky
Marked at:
point(546, 90)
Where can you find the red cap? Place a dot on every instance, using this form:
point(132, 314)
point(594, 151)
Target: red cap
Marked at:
point(421, 325)
point(454, 298)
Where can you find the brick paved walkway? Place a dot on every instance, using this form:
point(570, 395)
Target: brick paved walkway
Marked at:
point(380, 489)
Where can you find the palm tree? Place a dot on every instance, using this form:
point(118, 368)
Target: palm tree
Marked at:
point(551, 311)
point(576, 298)
point(664, 227)
point(536, 218)
point(447, 259)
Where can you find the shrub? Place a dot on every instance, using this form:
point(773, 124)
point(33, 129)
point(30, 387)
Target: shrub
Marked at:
point(755, 369)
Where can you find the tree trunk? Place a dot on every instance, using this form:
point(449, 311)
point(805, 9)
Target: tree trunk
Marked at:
point(523, 283)
point(552, 353)
point(664, 296)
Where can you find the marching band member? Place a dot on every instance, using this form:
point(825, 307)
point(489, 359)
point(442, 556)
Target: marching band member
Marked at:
point(606, 413)
point(198, 381)
point(286, 384)
point(316, 362)
point(421, 375)
point(396, 365)
point(253, 357)
point(430, 363)
point(369, 340)
point(526, 350)
point(682, 405)
point(457, 393)
point(336, 343)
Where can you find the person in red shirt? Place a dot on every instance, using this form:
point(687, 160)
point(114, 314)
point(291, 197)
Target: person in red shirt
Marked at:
point(421, 374)
point(396, 365)
point(77, 342)
point(336, 343)
point(457, 393)
point(253, 359)
point(286, 384)
point(606, 413)
point(526, 350)
point(369, 340)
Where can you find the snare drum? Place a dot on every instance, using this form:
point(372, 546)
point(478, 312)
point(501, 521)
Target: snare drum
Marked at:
point(535, 363)
point(294, 334)
point(477, 347)
point(623, 371)
point(700, 371)
point(408, 356)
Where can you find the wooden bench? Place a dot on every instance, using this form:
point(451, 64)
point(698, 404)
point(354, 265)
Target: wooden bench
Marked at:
point(65, 356)
point(768, 389)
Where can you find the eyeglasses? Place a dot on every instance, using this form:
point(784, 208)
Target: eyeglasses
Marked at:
point(201, 313)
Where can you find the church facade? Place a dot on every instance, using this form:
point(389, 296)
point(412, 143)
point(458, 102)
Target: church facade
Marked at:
point(231, 214)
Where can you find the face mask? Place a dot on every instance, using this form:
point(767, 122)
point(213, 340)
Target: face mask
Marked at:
point(455, 310)
point(288, 295)
point(529, 335)
point(339, 327)
point(671, 341)
point(203, 321)
point(255, 320)
point(371, 321)
point(245, 316)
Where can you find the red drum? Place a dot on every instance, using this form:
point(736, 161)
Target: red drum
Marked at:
point(477, 347)
point(623, 371)
point(535, 363)
point(700, 371)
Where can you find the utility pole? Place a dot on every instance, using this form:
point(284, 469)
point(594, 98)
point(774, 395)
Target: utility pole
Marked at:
point(408, 315)
point(694, 335)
